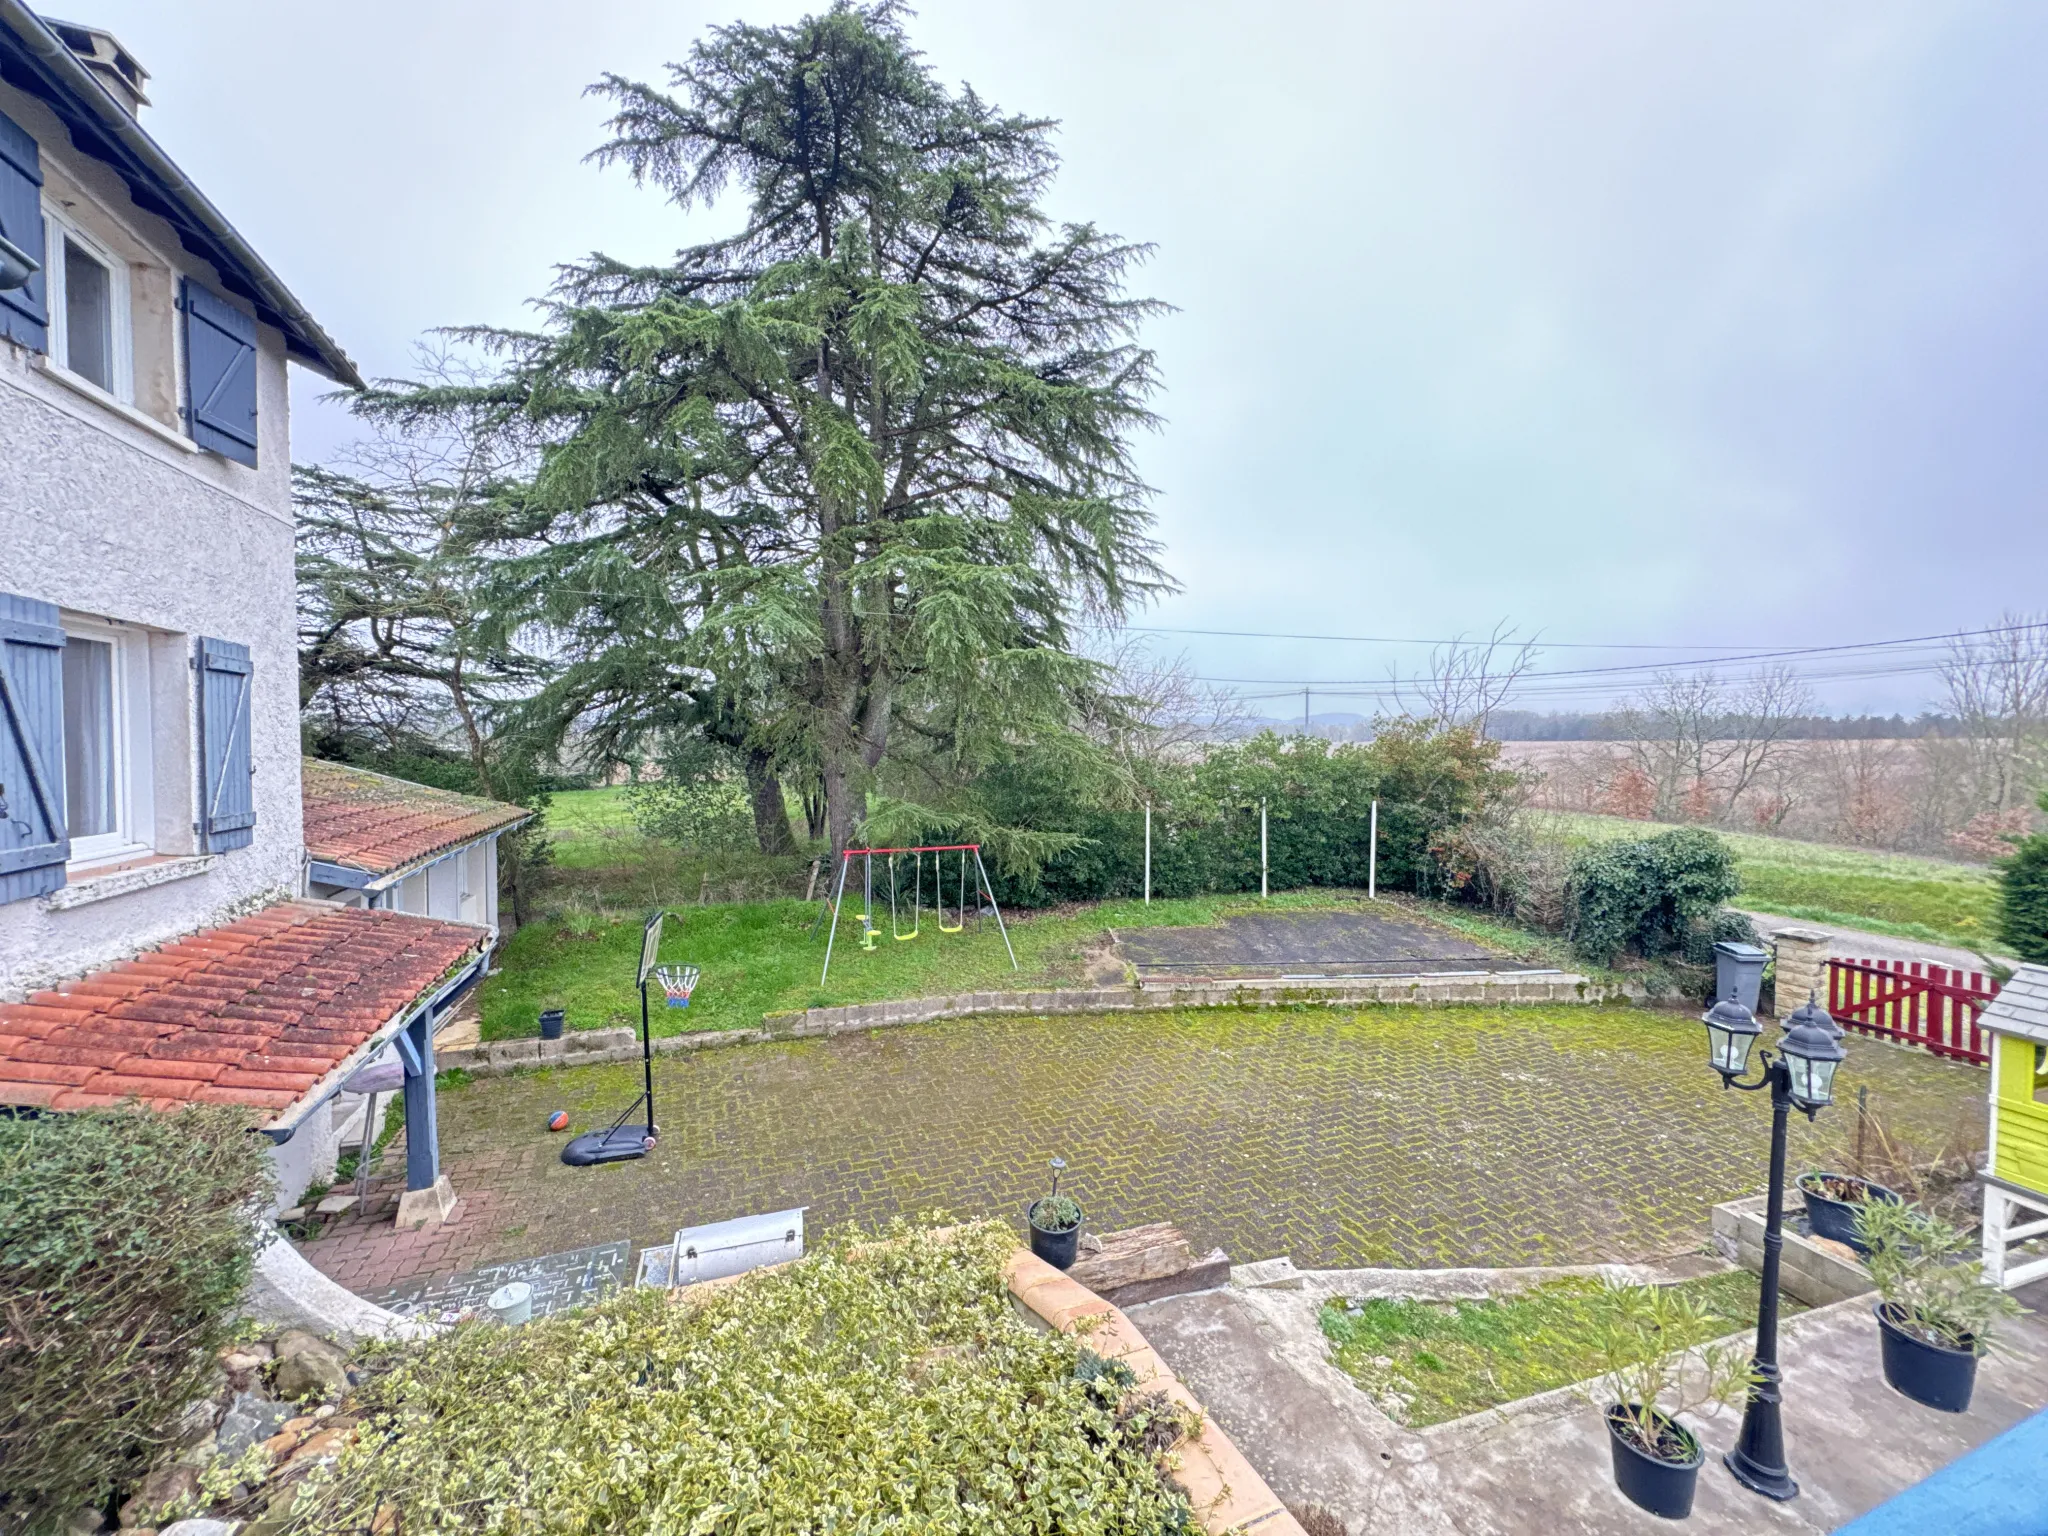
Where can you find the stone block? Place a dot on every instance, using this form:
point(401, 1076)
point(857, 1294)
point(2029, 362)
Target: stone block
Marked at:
point(512, 1053)
point(426, 1207)
point(1140, 1253)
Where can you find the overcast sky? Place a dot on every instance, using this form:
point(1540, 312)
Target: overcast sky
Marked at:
point(1717, 322)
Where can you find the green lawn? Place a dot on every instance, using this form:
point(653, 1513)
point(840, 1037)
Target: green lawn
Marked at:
point(761, 957)
point(1433, 1361)
point(1930, 899)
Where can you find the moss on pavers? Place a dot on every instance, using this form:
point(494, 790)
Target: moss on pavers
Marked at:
point(1395, 1135)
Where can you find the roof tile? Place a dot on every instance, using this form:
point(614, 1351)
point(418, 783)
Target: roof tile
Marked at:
point(256, 1012)
point(381, 825)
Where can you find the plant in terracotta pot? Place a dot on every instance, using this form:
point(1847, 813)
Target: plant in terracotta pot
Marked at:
point(1936, 1314)
point(1644, 1388)
point(1835, 1201)
point(1055, 1221)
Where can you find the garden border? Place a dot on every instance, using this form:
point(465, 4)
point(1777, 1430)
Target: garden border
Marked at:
point(1226, 1490)
point(593, 1047)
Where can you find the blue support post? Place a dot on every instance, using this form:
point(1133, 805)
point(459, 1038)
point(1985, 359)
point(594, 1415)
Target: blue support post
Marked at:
point(422, 1132)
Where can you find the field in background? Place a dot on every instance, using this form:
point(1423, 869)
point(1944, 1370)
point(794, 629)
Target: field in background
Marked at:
point(1933, 900)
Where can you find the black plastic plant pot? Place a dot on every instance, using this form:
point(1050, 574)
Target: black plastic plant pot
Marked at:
point(1059, 1249)
point(551, 1023)
point(1832, 1218)
point(1651, 1482)
point(1932, 1374)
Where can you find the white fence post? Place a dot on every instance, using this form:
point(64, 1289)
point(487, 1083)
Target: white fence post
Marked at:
point(1262, 848)
point(1148, 853)
point(1372, 857)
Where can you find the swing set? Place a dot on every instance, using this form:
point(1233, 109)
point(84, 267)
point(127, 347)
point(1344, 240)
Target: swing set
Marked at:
point(871, 931)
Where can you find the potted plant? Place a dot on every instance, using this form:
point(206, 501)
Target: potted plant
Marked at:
point(1936, 1315)
point(1055, 1221)
point(1644, 1388)
point(1834, 1201)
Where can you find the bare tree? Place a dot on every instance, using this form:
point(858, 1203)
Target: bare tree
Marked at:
point(1706, 745)
point(1159, 710)
point(1997, 689)
point(1467, 680)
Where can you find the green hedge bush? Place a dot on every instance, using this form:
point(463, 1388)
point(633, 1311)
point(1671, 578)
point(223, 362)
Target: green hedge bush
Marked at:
point(1651, 897)
point(126, 1240)
point(872, 1387)
point(1205, 819)
point(2023, 897)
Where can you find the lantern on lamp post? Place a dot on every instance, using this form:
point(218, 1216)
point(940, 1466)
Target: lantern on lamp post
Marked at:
point(1801, 1076)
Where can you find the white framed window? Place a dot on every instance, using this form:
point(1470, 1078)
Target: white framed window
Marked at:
point(91, 330)
point(109, 804)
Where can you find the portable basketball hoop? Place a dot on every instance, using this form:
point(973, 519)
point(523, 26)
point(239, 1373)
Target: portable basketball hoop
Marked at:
point(623, 1141)
point(678, 981)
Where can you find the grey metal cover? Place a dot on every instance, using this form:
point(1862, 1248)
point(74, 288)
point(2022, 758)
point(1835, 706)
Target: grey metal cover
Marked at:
point(733, 1247)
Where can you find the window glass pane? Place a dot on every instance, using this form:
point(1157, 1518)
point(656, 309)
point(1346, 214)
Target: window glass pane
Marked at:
point(88, 317)
point(89, 737)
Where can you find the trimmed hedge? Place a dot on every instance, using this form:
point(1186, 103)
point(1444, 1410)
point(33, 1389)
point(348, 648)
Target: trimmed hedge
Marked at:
point(2023, 897)
point(873, 1386)
point(1205, 819)
point(126, 1240)
point(1651, 897)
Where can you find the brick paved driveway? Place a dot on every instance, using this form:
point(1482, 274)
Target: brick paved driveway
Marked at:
point(1384, 1136)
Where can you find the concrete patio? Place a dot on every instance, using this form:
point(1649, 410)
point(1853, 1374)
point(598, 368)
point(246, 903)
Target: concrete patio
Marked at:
point(1256, 1359)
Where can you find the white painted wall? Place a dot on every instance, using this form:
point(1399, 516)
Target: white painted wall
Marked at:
point(461, 886)
point(108, 517)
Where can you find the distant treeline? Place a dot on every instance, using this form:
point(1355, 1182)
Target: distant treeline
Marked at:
point(1528, 725)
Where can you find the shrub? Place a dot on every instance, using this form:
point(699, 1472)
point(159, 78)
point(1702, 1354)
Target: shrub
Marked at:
point(1646, 897)
point(2023, 897)
point(709, 815)
point(1930, 1277)
point(872, 1386)
point(126, 1241)
point(1205, 825)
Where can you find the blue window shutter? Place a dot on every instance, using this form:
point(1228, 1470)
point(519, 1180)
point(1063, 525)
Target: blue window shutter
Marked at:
point(220, 374)
point(227, 803)
point(33, 843)
point(24, 318)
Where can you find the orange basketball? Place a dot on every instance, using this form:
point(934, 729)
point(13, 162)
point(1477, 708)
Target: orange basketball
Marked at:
point(559, 1120)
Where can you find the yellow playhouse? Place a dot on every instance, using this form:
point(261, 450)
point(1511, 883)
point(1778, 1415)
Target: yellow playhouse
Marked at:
point(2016, 1171)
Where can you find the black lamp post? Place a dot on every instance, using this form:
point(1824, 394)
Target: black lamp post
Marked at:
point(1802, 1077)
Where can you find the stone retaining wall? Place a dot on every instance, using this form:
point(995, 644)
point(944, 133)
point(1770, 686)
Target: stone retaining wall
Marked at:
point(590, 1047)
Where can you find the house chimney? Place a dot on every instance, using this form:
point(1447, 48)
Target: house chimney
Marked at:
point(112, 65)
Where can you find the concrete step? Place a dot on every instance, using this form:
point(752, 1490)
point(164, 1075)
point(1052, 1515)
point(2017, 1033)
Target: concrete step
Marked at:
point(1267, 1275)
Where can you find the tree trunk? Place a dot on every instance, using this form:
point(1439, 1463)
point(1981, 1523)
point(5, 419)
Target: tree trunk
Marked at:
point(771, 811)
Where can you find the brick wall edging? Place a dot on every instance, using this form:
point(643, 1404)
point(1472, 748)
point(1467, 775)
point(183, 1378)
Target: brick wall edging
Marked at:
point(593, 1047)
point(1226, 1491)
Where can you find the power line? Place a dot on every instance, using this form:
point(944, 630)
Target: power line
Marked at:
point(1295, 684)
point(1269, 634)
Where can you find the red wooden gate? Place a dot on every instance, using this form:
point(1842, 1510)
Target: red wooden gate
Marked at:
point(1927, 1005)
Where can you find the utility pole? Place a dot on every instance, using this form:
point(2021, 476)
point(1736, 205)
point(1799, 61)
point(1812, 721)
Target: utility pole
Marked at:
point(1304, 711)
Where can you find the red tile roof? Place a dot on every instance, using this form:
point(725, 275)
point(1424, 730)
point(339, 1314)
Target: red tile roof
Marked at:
point(370, 822)
point(256, 1012)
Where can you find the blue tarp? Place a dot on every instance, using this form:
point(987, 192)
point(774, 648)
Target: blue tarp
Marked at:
point(1999, 1489)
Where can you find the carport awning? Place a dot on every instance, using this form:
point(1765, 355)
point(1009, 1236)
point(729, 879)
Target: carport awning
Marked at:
point(271, 1011)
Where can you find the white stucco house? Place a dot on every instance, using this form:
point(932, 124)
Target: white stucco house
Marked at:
point(158, 943)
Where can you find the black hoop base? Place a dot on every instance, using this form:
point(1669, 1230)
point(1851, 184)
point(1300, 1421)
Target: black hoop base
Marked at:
point(617, 1145)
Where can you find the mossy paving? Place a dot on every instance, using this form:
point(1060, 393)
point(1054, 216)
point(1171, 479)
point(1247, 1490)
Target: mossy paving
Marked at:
point(1396, 1136)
